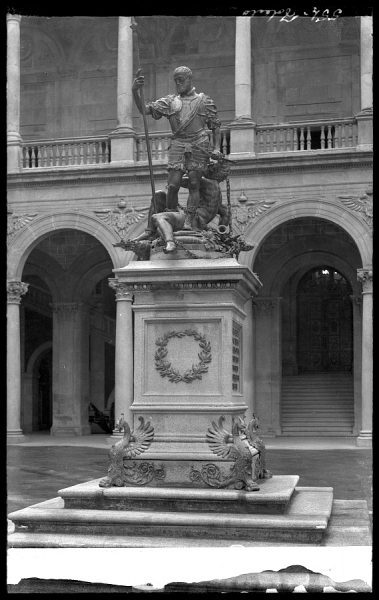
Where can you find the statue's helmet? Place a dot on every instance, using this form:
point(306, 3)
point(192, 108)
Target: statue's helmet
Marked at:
point(183, 71)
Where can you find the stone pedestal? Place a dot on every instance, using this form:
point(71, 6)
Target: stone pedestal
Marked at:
point(188, 317)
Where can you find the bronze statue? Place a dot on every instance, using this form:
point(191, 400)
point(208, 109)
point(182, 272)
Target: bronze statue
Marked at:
point(164, 221)
point(190, 115)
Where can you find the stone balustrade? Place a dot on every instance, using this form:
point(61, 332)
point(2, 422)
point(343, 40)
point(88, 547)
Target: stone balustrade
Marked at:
point(312, 135)
point(65, 152)
point(288, 137)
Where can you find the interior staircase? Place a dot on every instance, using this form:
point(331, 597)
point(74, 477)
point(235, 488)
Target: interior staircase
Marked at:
point(319, 404)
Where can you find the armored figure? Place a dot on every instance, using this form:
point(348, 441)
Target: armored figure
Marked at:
point(190, 115)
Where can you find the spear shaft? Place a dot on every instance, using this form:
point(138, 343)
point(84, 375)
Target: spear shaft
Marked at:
point(142, 96)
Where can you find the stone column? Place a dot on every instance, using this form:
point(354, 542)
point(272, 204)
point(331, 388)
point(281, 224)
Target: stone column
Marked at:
point(13, 94)
point(123, 137)
point(356, 301)
point(243, 127)
point(124, 353)
point(364, 117)
point(70, 369)
point(365, 435)
point(15, 289)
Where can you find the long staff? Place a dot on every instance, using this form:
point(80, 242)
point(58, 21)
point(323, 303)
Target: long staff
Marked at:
point(142, 96)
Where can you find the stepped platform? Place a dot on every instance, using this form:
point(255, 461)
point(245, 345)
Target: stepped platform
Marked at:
point(86, 515)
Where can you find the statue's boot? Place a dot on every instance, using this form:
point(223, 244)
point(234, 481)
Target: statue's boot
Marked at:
point(170, 246)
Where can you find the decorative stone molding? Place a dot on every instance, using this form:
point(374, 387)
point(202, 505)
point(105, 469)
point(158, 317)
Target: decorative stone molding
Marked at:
point(16, 289)
point(362, 204)
point(121, 218)
point(122, 290)
point(17, 222)
point(364, 275)
point(243, 212)
point(187, 285)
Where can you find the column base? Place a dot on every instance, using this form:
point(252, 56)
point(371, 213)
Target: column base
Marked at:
point(364, 439)
point(242, 139)
point(15, 437)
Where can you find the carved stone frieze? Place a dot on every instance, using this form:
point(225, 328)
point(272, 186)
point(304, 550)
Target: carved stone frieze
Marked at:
point(123, 290)
point(364, 275)
point(121, 218)
point(16, 289)
point(362, 204)
point(17, 222)
point(187, 285)
point(196, 371)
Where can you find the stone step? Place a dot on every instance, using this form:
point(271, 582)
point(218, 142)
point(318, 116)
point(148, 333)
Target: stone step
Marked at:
point(272, 497)
point(348, 526)
point(305, 520)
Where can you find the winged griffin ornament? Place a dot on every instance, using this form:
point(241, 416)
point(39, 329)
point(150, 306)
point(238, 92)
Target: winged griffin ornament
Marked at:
point(122, 470)
point(244, 446)
point(243, 212)
point(121, 218)
point(362, 204)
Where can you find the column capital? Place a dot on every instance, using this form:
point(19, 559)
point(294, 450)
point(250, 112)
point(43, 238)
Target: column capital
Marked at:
point(364, 275)
point(16, 289)
point(122, 290)
point(16, 18)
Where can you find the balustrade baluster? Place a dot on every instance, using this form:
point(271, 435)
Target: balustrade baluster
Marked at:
point(64, 155)
point(44, 155)
point(281, 141)
point(337, 136)
point(33, 156)
point(288, 139)
point(23, 157)
point(224, 143)
point(350, 134)
point(295, 140)
point(88, 153)
point(69, 154)
point(159, 148)
point(322, 137)
point(329, 136)
point(107, 151)
point(74, 154)
point(81, 153)
point(274, 140)
point(343, 136)
point(309, 138)
point(301, 138)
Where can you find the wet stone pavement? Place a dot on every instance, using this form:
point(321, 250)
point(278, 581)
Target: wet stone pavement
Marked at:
point(35, 474)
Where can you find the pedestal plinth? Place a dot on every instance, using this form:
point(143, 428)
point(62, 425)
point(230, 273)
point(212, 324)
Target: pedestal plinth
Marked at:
point(188, 367)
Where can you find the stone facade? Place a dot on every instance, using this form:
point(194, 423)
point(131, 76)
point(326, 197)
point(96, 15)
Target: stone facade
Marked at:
point(296, 111)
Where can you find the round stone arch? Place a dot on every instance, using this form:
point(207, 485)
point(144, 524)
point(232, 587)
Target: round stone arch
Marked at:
point(22, 244)
point(281, 271)
point(295, 209)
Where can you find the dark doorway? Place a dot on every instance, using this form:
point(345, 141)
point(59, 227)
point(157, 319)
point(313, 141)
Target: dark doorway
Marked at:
point(324, 322)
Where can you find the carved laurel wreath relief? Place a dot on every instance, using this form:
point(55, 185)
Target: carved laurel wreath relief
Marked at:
point(196, 371)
